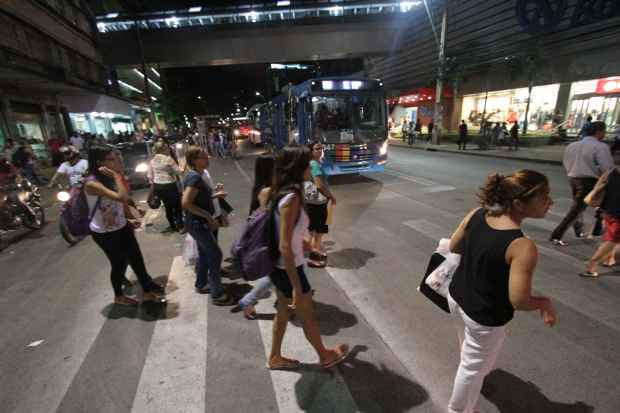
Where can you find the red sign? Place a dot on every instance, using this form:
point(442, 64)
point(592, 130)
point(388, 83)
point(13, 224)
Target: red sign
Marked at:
point(608, 85)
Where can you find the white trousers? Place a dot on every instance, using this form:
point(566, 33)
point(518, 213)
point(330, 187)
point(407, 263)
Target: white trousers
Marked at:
point(480, 346)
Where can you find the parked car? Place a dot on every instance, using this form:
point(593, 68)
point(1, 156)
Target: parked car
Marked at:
point(135, 157)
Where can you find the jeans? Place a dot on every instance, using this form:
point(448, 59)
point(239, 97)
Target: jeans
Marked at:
point(480, 346)
point(580, 188)
point(170, 196)
point(122, 249)
point(260, 290)
point(209, 257)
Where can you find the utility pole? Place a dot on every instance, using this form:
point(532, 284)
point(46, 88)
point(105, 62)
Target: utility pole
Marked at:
point(441, 65)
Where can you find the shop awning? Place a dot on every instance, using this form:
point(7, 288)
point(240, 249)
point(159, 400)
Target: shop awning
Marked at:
point(88, 103)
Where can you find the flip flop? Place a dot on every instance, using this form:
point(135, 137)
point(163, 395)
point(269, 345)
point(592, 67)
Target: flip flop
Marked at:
point(609, 265)
point(344, 353)
point(588, 274)
point(316, 264)
point(284, 364)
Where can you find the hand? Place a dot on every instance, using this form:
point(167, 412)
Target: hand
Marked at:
point(333, 200)
point(296, 295)
point(135, 223)
point(220, 194)
point(547, 312)
point(213, 224)
point(219, 187)
point(108, 172)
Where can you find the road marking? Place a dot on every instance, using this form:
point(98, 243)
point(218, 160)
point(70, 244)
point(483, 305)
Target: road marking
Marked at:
point(322, 391)
point(173, 378)
point(411, 178)
point(439, 188)
point(243, 173)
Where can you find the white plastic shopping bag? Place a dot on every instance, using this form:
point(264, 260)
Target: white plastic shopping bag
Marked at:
point(439, 280)
point(190, 250)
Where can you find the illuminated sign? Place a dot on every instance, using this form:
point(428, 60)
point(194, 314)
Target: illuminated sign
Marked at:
point(346, 84)
point(279, 66)
point(607, 86)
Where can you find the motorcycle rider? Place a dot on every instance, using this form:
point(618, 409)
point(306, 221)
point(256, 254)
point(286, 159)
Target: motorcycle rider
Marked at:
point(74, 167)
point(9, 177)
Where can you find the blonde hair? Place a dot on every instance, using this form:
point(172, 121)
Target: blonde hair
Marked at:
point(193, 153)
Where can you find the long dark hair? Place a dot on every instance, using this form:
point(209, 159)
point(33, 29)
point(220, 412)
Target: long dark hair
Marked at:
point(291, 164)
point(96, 159)
point(263, 177)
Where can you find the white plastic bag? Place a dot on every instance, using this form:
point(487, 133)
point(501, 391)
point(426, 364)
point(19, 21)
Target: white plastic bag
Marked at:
point(190, 250)
point(439, 280)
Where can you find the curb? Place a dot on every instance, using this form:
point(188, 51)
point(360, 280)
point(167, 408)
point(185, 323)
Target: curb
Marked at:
point(480, 154)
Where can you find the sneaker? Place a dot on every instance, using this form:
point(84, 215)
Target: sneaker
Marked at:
point(223, 300)
point(558, 242)
point(203, 290)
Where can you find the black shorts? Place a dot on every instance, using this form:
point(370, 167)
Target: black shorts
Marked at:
point(280, 279)
point(318, 218)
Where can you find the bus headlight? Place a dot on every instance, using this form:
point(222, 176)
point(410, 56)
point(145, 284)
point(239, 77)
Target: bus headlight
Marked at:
point(142, 168)
point(384, 147)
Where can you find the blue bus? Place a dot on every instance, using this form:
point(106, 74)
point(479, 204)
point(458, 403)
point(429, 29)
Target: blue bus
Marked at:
point(347, 115)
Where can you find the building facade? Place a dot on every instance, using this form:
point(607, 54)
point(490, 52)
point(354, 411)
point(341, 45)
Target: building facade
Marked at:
point(508, 61)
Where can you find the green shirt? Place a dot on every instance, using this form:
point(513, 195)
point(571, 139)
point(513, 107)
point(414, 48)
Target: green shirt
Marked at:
point(313, 196)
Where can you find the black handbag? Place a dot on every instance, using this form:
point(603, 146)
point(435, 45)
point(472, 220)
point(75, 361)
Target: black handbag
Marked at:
point(153, 201)
point(437, 299)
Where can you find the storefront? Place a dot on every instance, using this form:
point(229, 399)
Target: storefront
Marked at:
point(509, 106)
point(99, 114)
point(599, 98)
point(101, 123)
point(416, 105)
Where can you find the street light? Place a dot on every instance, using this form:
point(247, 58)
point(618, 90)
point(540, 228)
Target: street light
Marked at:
point(257, 93)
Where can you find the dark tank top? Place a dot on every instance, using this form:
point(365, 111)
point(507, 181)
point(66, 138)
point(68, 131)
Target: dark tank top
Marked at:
point(611, 201)
point(480, 283)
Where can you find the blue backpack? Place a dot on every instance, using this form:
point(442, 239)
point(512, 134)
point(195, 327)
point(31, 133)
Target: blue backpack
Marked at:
point(75, 212)
point(252, 253)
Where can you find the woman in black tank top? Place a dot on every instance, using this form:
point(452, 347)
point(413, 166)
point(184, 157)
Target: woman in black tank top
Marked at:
point(494, 277)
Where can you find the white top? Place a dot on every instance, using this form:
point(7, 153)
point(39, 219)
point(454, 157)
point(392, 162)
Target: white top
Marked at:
point(109, 217)
point(216, 204)
point(75, 172)
point(78, 142)
point(298, 233)
point(163, 169)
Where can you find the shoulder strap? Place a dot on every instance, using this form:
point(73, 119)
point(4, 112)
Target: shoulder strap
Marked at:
point(91, 215)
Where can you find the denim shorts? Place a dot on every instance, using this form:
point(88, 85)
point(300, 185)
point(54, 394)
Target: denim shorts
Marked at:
point(279, 278)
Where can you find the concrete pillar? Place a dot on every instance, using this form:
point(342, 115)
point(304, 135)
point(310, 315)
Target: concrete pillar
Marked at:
point(45, 124)
point(9, 117)
point(60, 121)
point(563, 102)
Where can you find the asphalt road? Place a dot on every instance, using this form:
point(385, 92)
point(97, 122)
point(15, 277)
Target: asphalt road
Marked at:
point(65, 348)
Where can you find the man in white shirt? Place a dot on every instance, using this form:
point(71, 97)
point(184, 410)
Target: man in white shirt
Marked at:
point(74, 167)
point(585, 161)
point(77, 142)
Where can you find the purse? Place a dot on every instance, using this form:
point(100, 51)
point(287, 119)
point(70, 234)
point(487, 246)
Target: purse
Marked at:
point(153, 201)
point(440, 301)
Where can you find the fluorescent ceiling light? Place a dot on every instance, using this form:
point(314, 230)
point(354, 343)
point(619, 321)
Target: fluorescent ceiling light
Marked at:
point(253, 16)
point(327, 84)
point(195, 9)
point(155, 84)
point(111, 15)
point(156, 72)
point(139, 73)
point(153, 98)
point(405, 6)
point(283, 3)
point(128, 86)
point(174, 21)
point(101, 27)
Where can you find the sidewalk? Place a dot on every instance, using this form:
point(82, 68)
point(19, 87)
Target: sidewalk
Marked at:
point(551, 154)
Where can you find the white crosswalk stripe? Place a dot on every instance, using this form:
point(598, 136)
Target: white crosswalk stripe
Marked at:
point(173, 378)
point(328, 391)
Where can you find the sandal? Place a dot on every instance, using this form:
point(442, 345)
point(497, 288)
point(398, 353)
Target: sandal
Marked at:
point(558, 242)
point(343, 351)
point(608, 265)
point(316, 264)
point(249, 313)
point(284, 364)
point(588, 274)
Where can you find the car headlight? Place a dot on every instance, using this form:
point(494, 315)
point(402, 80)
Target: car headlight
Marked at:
point(236, 132)
point(142, 168)
point(63, 196)
point(384, 147)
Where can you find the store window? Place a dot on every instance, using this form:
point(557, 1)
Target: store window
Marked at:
point(598, 98)
point(510, 106)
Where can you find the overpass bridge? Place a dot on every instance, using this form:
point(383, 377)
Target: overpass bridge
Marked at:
point(236, 35)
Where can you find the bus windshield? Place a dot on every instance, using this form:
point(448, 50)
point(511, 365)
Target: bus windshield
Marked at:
point(349, 117)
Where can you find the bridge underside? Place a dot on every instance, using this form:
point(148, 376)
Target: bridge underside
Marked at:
point(204, 47)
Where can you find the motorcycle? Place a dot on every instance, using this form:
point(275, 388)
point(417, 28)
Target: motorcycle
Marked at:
point(63, 197)
point(21, 206)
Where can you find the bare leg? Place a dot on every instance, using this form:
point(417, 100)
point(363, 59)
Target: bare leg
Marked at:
point(601, 253)
point(279, 325)
point(319, 242)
